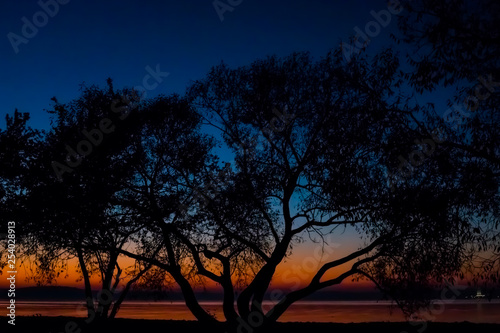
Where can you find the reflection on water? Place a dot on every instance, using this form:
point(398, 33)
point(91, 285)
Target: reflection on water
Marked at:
point(337, 311)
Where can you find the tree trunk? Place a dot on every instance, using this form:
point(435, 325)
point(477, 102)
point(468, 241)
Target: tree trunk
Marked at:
point(106, 296)
point(251, 298)
point(190, 298)
point(88, 288)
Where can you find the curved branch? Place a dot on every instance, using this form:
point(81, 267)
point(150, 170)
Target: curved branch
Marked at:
point(314, 286)
point(317, 277)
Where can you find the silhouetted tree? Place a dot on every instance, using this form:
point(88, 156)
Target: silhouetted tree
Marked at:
point(313, 144)
point(456, 43)
point(173, 159)
point(450, 41)
point(73, 208)
point(19, 147)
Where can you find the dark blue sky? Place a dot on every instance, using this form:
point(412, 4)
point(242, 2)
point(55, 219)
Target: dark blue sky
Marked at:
point(89, 41)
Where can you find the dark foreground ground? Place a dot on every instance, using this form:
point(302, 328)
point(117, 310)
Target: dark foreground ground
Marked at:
point(77, 325)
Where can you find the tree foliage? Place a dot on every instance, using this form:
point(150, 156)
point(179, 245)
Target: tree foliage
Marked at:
point(456, 43)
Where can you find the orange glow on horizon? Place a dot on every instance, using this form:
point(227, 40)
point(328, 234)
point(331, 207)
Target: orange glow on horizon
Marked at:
point(293, 273)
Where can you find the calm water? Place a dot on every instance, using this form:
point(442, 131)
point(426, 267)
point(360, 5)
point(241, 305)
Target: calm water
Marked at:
point(337, 311)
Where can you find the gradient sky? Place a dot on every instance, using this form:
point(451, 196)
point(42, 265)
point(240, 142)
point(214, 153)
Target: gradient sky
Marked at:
point(89, 41)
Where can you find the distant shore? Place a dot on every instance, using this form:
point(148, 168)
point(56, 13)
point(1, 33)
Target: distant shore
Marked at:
point(72, 325)
point(475, 311)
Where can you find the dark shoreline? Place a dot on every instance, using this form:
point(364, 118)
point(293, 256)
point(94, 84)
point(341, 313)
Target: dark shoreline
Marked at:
point(58, 324)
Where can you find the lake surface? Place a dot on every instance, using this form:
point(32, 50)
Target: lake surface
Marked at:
point(478, 311)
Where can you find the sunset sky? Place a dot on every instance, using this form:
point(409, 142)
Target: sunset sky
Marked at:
point(293, 273)
point(89, 41)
